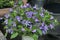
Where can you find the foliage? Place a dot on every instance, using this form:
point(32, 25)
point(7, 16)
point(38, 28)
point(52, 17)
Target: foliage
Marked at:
point(6, 3)
point(27, 20)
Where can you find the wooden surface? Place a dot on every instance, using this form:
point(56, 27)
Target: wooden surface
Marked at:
point(4, 11)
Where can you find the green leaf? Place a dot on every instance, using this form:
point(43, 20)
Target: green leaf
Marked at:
point(14, 35)
point(19, 26)
point(39, 31)
point(6, 34)
point(14, 13)
point(35, 37)
point(5, 27)
point(9, 22)
point(19, 2)
point(11, 3)
point(56, 22)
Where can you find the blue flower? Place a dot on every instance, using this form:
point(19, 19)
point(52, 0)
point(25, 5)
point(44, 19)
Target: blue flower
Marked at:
point(14, 24)
point(52, 17)
point(10, 9)
point(29, 14)
point(6, 21)
point(51, 26)
point(23, 22)
point(43, 24)
point(34, 30)
point(18, 18)
point(23, 29)
point(27, 23)
point(35, 7)
point(6, 15)
point(28, 5)
point(25, 6)
point(36, 20)
point(10, 31)
point(29, 26)
point(44, 32)
point(44, 28)
point(41, 14)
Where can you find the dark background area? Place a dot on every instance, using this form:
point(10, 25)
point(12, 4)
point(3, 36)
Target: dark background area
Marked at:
point(55, 9)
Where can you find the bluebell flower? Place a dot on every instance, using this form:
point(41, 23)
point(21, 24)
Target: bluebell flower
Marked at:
point(41, 14)
point(36, 20)
point(29, 14)
point(6, 21)
point(35, 7)
point(43, 24)
point(34, 30)
point(44, 28)
point(51, 17)
point(18, 18)
point(25, 6)
point(27, 22)
point(9, 31)
point(28, 5)
point(51, 26)
point(22, 6)
point(7, 15)
point(23, 29)
point(29, 26)
point(23, 22)
point(44, 32)
point(10, 9)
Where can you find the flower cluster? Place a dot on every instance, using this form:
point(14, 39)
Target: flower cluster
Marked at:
point(27, 20)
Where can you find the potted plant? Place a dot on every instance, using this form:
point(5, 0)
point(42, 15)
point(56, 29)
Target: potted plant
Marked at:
point(28, 22)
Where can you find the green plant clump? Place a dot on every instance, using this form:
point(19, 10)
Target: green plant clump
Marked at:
point(6, 3)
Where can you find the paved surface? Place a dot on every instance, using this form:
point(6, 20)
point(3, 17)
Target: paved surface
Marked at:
point(2, 36)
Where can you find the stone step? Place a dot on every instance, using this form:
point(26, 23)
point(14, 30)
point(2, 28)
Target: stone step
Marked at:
point(2, 36)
